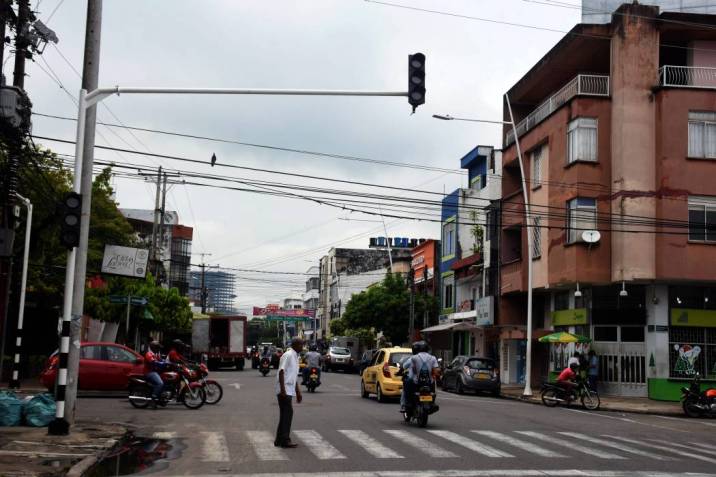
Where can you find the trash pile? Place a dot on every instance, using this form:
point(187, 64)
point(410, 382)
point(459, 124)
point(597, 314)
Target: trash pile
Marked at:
point(35, 411)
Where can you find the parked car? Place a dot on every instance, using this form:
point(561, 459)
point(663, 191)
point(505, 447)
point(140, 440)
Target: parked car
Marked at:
point(472, 373)
point(365, 359)
point(338, 358)
point(379, 377)
point(103, 367)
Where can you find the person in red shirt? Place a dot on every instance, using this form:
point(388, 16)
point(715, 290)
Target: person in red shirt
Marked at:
point(152, 364)
point(175, 355)
point(568, 377)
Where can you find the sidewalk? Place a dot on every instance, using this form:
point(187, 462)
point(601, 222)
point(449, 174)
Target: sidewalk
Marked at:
point(638, 405)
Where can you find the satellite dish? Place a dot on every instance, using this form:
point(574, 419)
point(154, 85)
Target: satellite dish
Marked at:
point(591, 236)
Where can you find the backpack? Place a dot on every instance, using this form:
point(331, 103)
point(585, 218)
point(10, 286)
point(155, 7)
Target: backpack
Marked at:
point(424, 374)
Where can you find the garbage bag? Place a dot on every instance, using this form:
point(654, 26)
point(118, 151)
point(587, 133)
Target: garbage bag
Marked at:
point(40, 410)
point(10, 409)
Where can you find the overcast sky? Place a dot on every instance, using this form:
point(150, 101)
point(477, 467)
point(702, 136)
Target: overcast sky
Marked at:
point(306, 44)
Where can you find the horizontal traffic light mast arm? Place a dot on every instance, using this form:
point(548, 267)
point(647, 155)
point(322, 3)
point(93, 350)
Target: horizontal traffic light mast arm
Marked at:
point(100, 94)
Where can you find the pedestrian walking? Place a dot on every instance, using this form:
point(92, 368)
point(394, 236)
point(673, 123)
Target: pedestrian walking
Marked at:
point(286, 389)
point(593, 371)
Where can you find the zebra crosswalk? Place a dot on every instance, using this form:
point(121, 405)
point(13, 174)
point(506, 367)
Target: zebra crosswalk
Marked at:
point(391, 444)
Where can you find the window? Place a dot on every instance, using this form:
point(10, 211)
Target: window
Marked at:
point(702, 219)
point(396, 358)
point(537, 167)
point(702, 134)
point(448, 239)
point(582, 140)
point(581, 216)
point(692, 350)
point(115, 353)
point(448, 286)
point(536, 237)
point(91, 352)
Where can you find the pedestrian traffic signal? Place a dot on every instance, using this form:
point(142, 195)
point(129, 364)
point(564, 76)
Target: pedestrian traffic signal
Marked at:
point(416, 80)
point(71, 217)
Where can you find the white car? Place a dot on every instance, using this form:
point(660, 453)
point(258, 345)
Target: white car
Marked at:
point(338, 358)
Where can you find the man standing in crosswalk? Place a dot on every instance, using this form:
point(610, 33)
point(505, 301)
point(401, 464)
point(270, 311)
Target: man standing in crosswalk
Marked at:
point(286, 388)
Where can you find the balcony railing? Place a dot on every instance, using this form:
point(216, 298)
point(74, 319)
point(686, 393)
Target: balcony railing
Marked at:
point(687, 76)
point(580, 85)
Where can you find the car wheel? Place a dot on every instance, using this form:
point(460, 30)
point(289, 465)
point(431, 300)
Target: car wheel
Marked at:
point(363, 392)
point(379, 394)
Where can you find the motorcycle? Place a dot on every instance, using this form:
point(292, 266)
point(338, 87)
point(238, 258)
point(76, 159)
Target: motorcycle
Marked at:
point(265, 366)
point(255, 359)
point(421, 405)
point(312, 383)
point(553, 394)
point(177, 388)
point(198, 372)
point(698, 403)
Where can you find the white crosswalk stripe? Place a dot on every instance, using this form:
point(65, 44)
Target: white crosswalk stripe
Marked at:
point(419, 443)
point(664, 448)
point(214, 448)
point(702, 445)
point(164, 435)
point(471, 444)
point(370, 445)
point(524, 445)
point(684, 446)
point(571, 445)
point(262, 442)
point(318, 445)
point(615, 445)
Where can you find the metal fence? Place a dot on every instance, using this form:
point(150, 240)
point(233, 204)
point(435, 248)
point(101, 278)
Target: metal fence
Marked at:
point(687, 76)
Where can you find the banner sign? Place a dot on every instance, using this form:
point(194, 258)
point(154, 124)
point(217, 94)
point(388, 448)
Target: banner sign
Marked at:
point(577, 316)
point(272, 312)
point(484, 314)
point(394, 242)
point(288, 319)
point(693, 317)
point(127, 261)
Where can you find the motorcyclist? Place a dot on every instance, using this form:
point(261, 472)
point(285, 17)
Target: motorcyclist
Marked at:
point(175, 353)
point(424, 368)
point(153, 364)
point(313, 360)
point(406, 371)
point(567, 379)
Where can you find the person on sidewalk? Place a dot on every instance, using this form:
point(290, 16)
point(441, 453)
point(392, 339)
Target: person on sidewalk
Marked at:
point(593, 371)
point(286, 388)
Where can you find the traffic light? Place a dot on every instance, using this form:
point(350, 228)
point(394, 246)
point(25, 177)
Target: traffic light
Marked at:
point(416, 80)
point(71, 215)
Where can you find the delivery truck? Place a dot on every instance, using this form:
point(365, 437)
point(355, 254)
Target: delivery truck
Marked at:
point(220, 340)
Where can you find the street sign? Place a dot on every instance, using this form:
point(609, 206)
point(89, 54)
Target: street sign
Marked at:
point(127, 261)
point(122, 300)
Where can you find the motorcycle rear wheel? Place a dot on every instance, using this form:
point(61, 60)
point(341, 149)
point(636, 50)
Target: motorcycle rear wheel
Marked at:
point(142, 392)
point(214, 392)
point(195, 399)
point(549, 397)
point(690, 408)
point(590, 400)
point(423, 419)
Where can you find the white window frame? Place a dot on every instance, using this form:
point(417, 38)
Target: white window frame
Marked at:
point(536, 237)
point(448, 236)
point(705, 121)
point(582, 129)
point(580, 217)
point(537, 155)
point(708, 206)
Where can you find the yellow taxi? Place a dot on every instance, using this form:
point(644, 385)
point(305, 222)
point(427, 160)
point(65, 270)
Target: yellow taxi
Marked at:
point(379, 376)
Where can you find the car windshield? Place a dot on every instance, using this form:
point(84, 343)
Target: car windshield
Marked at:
point(396, 358)
point(340, 351)
point(480, 364)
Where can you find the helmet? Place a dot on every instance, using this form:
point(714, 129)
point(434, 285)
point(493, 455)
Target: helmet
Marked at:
point(155, 346)
point(573, 365)
point(420, 347)
point(312, 347)
point(178, 343)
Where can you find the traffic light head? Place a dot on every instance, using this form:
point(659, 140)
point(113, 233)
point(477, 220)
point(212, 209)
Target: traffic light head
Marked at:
point(416, 80)
point(71, 218)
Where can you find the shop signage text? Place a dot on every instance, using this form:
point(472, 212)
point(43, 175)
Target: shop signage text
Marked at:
point(484, 315)
point(693, 317)
point(127, 261)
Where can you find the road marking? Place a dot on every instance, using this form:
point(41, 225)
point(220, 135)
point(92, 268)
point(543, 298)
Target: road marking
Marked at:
point(701, 444)
point(165, 435)
point(683, 446)
point(213, 447)
point(262, 442)
point(341, 387)
point(419, 443)
point(373, 447)
point(476, 473)
point(320, 447)
point(681, 419)
point(236, 385)
point(663, 448)
point(615, 445)
point(592, 413)
point(524, 445)
point(471, 444)
point(571, 445)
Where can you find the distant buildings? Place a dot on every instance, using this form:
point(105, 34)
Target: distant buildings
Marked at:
point(220, 288)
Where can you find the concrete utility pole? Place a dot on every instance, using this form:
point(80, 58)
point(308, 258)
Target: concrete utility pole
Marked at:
point(162, 278)
point(21, 43)
point(202, 291)
point(90, 80)
point(15, 380)
point(155, 225)
point(411, 284)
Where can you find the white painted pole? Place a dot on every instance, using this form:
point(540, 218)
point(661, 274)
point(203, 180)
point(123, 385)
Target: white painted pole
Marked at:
point(15, 381)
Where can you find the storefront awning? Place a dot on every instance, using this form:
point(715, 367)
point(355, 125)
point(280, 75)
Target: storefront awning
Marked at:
point(462, 326)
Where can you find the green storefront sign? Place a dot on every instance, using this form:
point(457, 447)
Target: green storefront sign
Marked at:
point(576, 316)
point(693, 317)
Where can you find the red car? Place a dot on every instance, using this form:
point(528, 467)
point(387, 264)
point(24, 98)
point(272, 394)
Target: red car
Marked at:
point(103, 367)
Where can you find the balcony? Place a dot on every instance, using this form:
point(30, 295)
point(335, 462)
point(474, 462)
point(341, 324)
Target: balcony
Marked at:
point(687, 77)
point(580, 85)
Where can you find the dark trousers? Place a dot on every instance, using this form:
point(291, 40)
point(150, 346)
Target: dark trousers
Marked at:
point(285, 417)
point(592, 380)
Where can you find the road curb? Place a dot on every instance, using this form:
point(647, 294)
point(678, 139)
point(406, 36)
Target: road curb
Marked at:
point(82, 466)
point(533, 400)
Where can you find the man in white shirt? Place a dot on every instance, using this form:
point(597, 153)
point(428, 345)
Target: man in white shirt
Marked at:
point(286, 388)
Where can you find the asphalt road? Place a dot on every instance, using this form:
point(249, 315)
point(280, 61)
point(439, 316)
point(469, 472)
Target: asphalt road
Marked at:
point(340, 434)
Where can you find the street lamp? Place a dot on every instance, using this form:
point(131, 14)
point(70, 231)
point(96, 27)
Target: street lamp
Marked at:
point(446, 117)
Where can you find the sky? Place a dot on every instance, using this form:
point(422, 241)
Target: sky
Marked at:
point(299, 44)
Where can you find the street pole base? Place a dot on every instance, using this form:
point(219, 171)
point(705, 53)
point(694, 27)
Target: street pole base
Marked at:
point(58, 427)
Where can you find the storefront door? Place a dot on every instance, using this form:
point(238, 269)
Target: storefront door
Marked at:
point(622, 359)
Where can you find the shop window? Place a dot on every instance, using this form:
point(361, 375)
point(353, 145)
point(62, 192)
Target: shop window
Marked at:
point(702, 219)
point(702, 134)
point(605, 333)
point(582, 140)
point(632, 334)
point(581, 216)
point(692, 350)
